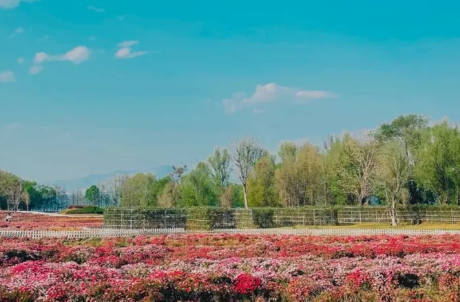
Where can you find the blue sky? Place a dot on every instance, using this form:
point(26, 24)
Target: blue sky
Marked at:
point(95, 86)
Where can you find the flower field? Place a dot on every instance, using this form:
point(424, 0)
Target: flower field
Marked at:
point(30, 221)
point(232, 268)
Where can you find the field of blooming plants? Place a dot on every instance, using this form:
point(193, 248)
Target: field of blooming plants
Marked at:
point(232, 268)
point(31, 221)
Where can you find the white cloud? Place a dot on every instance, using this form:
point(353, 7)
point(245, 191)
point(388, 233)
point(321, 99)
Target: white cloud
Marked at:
point(36, 69)
point(96, 9)
point(7, 76)
point(92, 38)
point(9, 4)
point(315, 94)
point(77, 55)
point(17, 31)
point(127, 43)
point(40, 57)
point(125, 51)
point(21, 60)
point(270, 93)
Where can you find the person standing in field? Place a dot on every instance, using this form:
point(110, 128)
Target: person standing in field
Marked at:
point(8, 217)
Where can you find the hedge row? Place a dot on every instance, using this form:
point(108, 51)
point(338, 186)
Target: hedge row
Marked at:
point(209, 218)
point(86, 210)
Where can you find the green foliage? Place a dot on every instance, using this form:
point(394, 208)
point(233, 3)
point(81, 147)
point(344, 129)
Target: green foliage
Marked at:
point(350, 168)
point(438, 166)
point(138, 191)
point(86, 210)
point(220, 165)
point(92, 194)
point(261, 184)
point(197, 188)
point(405, 161)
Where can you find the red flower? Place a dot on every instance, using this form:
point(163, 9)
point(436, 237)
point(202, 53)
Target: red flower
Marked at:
point(246, 283)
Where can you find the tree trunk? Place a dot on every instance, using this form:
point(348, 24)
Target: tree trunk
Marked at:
point(444, 198)
point(394, 221)
point(245, 191)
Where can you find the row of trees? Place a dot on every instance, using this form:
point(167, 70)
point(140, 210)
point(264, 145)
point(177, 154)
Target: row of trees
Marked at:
point(18, 194)
point(405, 161)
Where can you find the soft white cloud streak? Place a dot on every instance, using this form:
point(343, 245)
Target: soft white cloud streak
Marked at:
point(9, 4)
point(7, 76)
point(36, 69)
point(270, 93)
point(21, 60)
point(125, 51)
point(127, 44)
point(17, 31)
point(96, 9)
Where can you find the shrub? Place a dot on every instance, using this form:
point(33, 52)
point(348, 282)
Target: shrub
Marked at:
point(86, 210)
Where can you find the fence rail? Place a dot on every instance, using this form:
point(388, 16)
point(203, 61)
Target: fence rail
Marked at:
point(100, 233)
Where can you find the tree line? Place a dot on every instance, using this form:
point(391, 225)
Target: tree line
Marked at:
point(406, 161)
point(409, 160)
point(18, 194)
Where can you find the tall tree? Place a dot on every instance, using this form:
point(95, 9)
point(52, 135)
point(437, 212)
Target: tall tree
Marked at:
point(351, 166)
point(300, 178)
point(392, 177)
point(245, 153)
point(408, 130)
point(11, 187)
point(261, 184)
point(197, 187)
point(92, 194)
point(220, 167)
point(138, 191)
point(438, 165)
point(288, 152)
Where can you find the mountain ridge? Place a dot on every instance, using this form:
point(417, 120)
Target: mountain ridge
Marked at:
point(87, 181)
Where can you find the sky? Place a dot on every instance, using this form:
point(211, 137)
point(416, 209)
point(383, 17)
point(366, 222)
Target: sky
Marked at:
point(94, 86)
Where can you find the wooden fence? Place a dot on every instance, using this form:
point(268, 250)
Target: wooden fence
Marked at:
point(100, 233)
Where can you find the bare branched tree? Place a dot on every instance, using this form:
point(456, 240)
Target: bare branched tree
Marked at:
point(245, 154)
point(177, 173)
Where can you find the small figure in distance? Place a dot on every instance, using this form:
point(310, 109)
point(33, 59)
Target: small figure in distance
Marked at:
point(8, 217)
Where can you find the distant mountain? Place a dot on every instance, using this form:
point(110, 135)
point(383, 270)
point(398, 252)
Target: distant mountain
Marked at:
point(89, 180)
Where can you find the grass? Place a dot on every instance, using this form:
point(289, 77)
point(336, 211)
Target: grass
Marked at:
point(371, 225)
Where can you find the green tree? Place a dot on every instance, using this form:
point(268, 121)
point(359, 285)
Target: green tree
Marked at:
point(138, 191)
point(392, 176)
point(11, 188)
point(408, 130)
point(350, 168)
point(438, 166)
point(92, 194)
point(169, 196)
point(197, 188)
point(220, 167)
point(261, 184)
point(232, 196)
point(300, 179)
